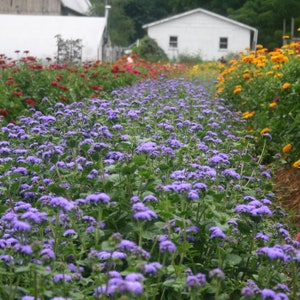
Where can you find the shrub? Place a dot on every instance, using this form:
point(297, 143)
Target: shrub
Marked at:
point(148, 49)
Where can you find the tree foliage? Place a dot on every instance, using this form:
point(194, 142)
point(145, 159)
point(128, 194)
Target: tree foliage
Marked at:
point(128, 16)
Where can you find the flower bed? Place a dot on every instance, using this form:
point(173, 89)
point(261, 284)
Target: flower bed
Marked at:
point(26, 81)
point(264, 86)
point(152, 194)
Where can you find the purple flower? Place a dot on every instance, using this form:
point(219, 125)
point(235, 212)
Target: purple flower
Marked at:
point(151, 267)
point(29, 298)
point(219, 158)
point(62, 277)
point(47, 253)
point(98, 197)
point(217, 273)
point(26, 249)
point(200, 186)
point(148, 147)
point(275, 252)
point(150, 198)
point(268, 294)
point(126, 245)
point(70, 232)
point(231, 173)
point(193, 195)
point(282, 287)
point(62, 203)
point(21, 226)
point(117, 285)
point(145, 215)
point(261, 235)
point(167, 246)
point(216, 232)
point(134, 199)
point(20, 170)
point(195, 280)
point(134, 277)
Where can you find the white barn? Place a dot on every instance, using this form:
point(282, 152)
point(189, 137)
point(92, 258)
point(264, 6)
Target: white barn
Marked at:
point(201, 33)
point(38, 33)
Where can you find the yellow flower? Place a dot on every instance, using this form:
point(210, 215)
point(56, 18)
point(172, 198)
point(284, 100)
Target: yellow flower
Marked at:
point(296, 164)
point(247, 114)
point(298, 29)
point(265, 130)
point(286, 37)
point(269, 73)
point(273, 104)
point(286, 86)
point(287, 148)
point(258, 46)
point(237, 89)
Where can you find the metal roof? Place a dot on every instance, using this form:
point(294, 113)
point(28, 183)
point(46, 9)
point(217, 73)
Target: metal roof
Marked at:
point(80, 6)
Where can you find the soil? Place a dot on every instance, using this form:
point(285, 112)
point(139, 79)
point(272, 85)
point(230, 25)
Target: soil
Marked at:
point(287, 191)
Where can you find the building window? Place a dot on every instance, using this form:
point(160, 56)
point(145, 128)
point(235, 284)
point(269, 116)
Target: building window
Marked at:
point(223, 43)
point(173, 42)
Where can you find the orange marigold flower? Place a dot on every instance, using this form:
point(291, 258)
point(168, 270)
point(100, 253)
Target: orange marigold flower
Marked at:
point(265, 130)
point(237, 89)
point(247, 114)
point(287, 148)
point(273, 104)
point(296, 164)
point(286, 86)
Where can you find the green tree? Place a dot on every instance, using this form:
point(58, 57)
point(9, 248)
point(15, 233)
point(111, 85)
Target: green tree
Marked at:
point(121, 27)
point(267, 16)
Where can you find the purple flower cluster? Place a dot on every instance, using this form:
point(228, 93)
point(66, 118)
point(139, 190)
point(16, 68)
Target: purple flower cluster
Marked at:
point(117, 285)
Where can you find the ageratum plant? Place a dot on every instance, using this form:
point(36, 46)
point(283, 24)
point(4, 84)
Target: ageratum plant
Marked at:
point(152, 194)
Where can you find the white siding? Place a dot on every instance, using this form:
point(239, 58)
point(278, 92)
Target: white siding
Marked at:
point(199, 34)
point(37, 34)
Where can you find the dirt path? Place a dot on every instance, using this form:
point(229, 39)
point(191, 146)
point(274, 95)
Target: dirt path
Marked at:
point(287, 190)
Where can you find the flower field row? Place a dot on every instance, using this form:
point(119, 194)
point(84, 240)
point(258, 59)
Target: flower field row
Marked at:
point(265, 87)
point(26, 81)
point(153, 193)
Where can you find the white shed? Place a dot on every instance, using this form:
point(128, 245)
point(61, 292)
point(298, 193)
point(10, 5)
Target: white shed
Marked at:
point(201, 33)
point(37, 34)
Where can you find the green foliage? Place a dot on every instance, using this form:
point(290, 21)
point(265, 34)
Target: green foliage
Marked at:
point(149, 50)
point(190, 59)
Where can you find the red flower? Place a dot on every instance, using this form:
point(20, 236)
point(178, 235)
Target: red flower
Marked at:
point(97, 88)
point(62, 87)
point(298, 237)
point(54, 83)
point(30, 102)
point(3, 112)
point(63, 99)
point(16, 93)
point(9, 82)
